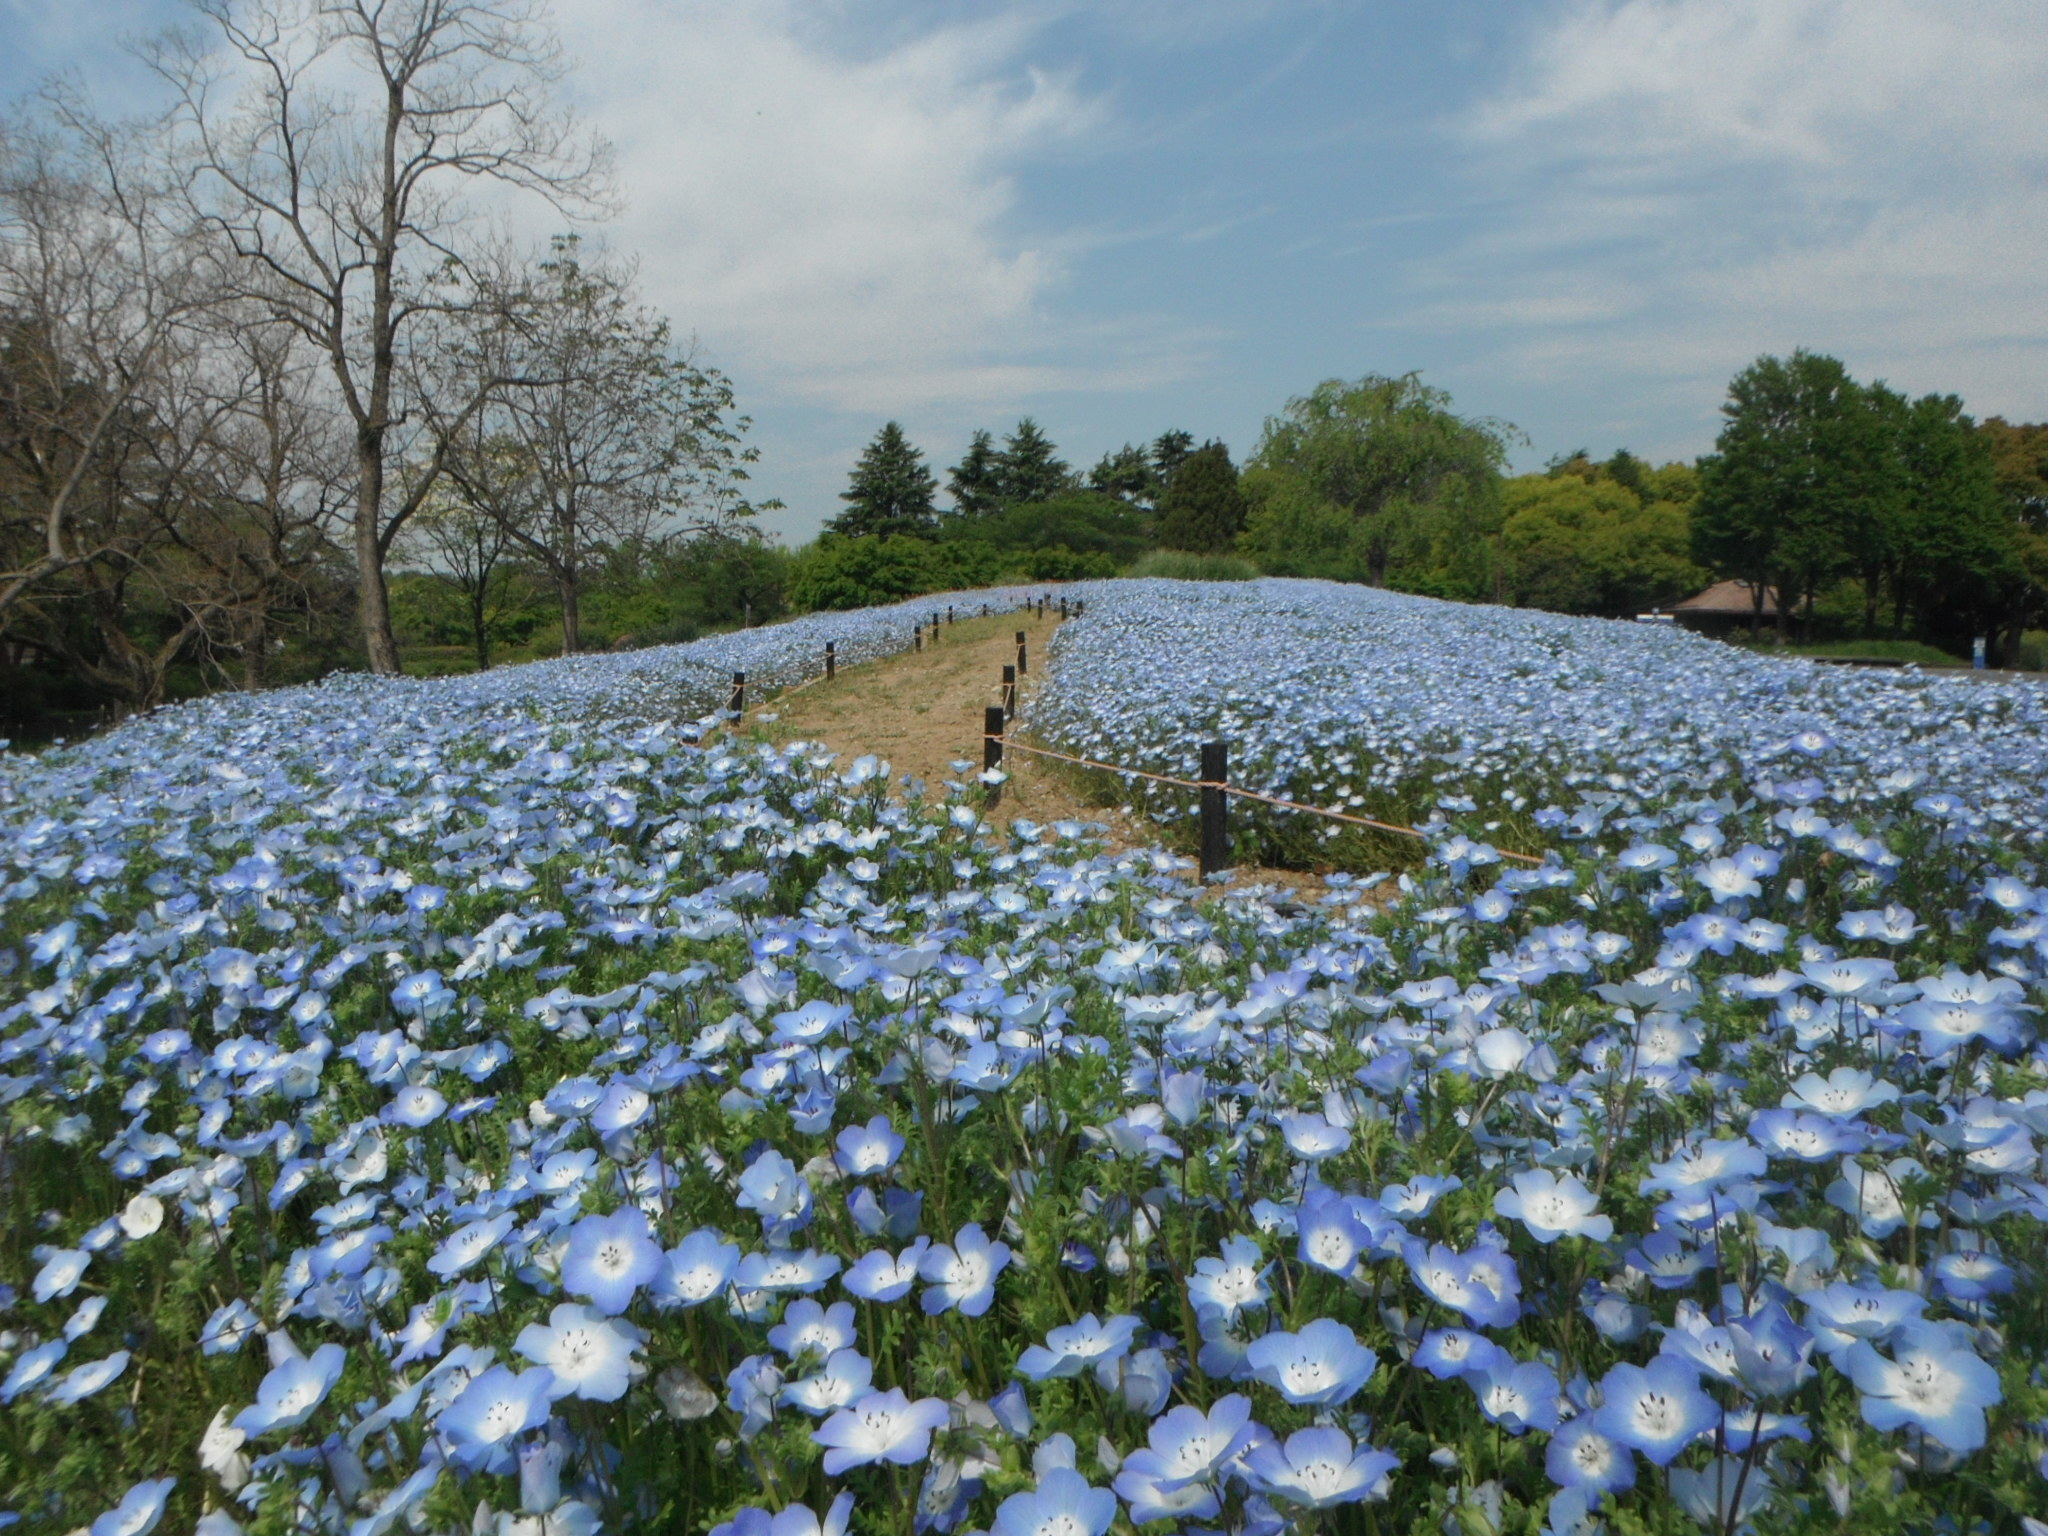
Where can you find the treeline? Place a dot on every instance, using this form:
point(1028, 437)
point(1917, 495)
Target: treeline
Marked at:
point(272, 391)
point(1875, 516)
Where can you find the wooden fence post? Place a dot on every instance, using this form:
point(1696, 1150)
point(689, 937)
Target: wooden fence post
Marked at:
point(831, 659)
point(1215, 807)
point(992, 737)
point(1021, 667)
point(917, 638)
point(1009, 692)
point(737, 704)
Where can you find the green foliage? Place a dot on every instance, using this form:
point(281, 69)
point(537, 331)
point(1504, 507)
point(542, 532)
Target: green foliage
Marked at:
point(1082, 522)
point(1816, 477)
point(1029, 468)
point(1186, 565)
point(891, 490)
point(842, 573)
point(1203, 508)
point(1422, 482)
point(1586, 539)
point(975, 483)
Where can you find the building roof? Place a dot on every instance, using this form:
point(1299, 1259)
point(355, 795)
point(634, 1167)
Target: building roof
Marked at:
point(1729, 597)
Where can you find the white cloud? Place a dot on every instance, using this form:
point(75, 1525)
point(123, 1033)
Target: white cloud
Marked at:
point(1683, 184)
point(843, 224)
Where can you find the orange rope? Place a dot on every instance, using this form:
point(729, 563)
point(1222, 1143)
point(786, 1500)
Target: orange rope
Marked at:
point(1243, 794)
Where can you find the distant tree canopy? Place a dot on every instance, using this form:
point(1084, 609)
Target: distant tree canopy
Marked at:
point(1600, 538)
point(1817, 478)
point(1418, 484)
point(890, 491)
point(1203, 508)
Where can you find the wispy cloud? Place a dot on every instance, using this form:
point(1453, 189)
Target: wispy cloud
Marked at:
point(1687, 183)
point(845, 222)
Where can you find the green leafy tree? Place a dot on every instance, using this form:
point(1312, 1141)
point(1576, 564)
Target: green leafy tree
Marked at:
point(1956, 543)
point(891, 490)
point(1127, 475)
point(975, 483)
point(1585, 539)
point(1797, 489)
point(1029, 468)
point(1415, 476)
point(1203, 508)
point(1169, 451)
point(2019, 466)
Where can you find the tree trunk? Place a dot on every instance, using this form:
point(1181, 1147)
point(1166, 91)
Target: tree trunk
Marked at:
point(1872, 580)
point(372, 596)
point(479, 623)
point(572, 612)
point(256, 654)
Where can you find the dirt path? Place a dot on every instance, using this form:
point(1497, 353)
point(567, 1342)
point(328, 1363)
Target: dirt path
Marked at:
point(922, 710)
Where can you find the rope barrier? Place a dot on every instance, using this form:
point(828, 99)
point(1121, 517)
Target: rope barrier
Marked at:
point(1012, 745)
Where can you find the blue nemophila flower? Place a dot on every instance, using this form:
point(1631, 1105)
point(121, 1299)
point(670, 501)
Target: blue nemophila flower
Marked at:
point(1451, 1352)
point(882, 1276)
point(468, 1245)
point(140, 1509)
point(1311, 1137)
point(1657, 1409)
point(1481, 1284)
point(808, 1328)
point(1581, 1456)
point(1875, 1197)
point(784, 1269)
point(415, 1106)
point(1933, 1381)
point(1319, 1468)
point(492, 1408)
point(1551, 1206)
point(589, 1354)
point(1972, 1275)
point(95, 1376)
point(774, 1190)
point(1323, 1364)
point(610, 1257)
point(796, 1520)
point(1705, 1164)
point(60, 1274)
point(32, 1367)
point(229, 1328)
point(1186, 1452)
point(1842, 1094)
point(1331, 1235)
point(294, 1387)
point(962, 1276)
point(1773, 1354)
point(1841, 1314)
point(860, 1150)
point(1518, 1397)
point(883, 1426)
point(1072, 1349)
point(1724, 1493)
point(845, 1377)
point(1231, 1283)
point(1063, 1504)
point(623, 1106)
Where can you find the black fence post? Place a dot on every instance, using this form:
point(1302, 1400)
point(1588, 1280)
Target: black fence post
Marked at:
point(992, 737)
point(1215, 807)
point(1009, 692)
point(1063, 607)
point(917, 638)
point(831, 659)
point(949, 613)
point(1021, 667)
point(737, 704)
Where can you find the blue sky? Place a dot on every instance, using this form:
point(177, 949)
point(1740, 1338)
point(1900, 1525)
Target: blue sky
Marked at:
point(1580, 216)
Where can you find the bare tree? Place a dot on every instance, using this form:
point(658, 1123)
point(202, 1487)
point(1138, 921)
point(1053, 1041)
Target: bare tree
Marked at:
point(611, 436)
point(330, 152)
point(96, 279)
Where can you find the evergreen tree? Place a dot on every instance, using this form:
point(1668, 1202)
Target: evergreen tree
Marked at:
point(1029, 468)
point(1170, 450)
point(891, 490)
point(975, 483)
point(1127, 475)
point(1203, 507)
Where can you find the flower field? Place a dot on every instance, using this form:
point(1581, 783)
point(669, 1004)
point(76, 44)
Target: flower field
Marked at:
point(477, 1106)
